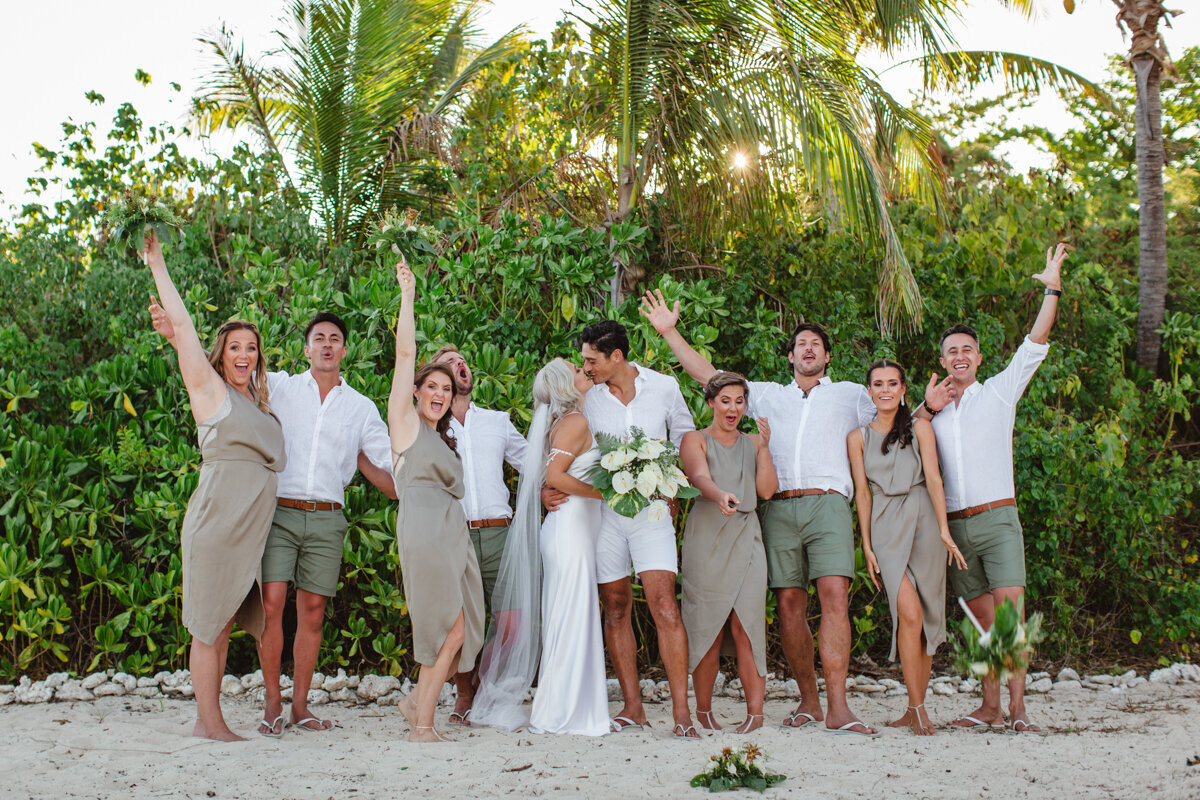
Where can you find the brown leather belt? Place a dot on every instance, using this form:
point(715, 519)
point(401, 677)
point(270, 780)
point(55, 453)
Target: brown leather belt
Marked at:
point(307, 505)
point(494, 522)
point(790, 493)
point(973, 510)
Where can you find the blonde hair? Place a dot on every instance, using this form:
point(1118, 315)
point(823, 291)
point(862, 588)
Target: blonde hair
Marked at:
point(258, 386)
point(554, 387)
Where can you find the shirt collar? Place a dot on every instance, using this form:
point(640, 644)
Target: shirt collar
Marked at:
point(311, 380)
point(824, 380)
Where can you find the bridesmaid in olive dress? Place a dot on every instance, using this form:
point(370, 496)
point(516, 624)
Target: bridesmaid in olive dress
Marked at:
point(902, 516)
point(229, 515)
point(724, 568)
point(442, 584)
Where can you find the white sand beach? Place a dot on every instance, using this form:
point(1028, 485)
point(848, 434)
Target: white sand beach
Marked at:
point(1101, 744)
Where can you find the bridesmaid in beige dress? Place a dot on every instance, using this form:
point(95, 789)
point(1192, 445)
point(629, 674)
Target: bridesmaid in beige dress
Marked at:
point(724, 568)
point(902, 516)
point(229, 515)
point(442, 584)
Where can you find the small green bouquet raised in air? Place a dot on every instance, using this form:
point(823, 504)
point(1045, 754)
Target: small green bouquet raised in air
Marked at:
point(1003, 650)
point(639, 472)
point(404, 237)
point(732, 769)
point(135, 213)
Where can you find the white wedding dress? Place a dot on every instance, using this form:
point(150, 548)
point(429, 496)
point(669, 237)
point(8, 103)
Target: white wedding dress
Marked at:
point(572, 694)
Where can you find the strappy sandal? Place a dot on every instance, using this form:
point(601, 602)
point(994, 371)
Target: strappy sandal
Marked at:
point(749, 718)
point(456, 718)
point(712, 724)
point(440, 738)
point(914, 722)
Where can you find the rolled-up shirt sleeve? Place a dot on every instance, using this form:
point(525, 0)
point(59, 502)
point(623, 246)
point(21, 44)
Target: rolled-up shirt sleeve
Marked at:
point(376, 443)
point(679, 417)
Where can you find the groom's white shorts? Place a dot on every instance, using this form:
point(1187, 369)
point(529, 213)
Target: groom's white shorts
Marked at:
point(648, 545)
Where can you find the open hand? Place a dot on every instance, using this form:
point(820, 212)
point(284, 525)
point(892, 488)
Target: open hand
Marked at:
point(955, 555)
point(1052, 274)
point(655, 308)
point(160, 320)
point(873, 568)
point(938, 395)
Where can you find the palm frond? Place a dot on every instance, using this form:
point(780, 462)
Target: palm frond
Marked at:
point(969, 68)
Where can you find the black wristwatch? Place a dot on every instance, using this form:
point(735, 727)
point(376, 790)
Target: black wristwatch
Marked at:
point(1055, 292)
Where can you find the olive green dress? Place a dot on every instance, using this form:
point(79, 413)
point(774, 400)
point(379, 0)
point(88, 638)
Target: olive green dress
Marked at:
point(437, 560)
point(904, 532)
point(724, 564)
point(228, 519)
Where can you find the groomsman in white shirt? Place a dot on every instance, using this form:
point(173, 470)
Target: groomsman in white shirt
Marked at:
point(807, 529)
point(486, 439)
point(629, 395)
point(330, 430)
point(973, 422)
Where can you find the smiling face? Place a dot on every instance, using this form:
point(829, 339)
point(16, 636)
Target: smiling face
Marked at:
point(598, 366)
point(809, 357)
point(886, 388)
point(961, 357)
point(325, 348)
point(728, 407)
point(464, 380)
point(434, 394)
point(239, 358)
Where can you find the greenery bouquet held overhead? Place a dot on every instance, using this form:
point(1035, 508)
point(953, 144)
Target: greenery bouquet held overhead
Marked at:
point(137, 212)
point(401, 234)
point(639, 472)
point(1001, 651)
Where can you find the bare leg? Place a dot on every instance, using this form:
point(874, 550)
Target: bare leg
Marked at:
point(310, 617)
point(792, 606)
point(205, 665)
point(704, 677)
point(984, 609)
point(834, 642)
point(659, 586)
point(270, 652)
point(914, 663)
point(617, 597)
point(1018, 719)
point(430, 682)
point(753, 684)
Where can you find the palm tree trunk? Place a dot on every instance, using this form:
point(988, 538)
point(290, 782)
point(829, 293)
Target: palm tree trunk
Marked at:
point(1152, 215)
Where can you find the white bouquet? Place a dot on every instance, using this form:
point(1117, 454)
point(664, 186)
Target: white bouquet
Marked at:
point(638, 472)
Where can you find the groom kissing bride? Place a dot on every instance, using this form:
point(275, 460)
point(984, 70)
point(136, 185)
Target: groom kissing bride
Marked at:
point(582, 544)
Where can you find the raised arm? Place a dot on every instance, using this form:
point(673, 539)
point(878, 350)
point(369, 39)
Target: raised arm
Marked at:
point(766, 480)
point(402, 414)
point(862, 500)
point(569, 438)
point(664, 319)
point(1051, 276)
point(204, 386)
point(927, 443)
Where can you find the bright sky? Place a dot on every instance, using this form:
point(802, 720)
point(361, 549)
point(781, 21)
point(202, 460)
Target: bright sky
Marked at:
point(53, 51)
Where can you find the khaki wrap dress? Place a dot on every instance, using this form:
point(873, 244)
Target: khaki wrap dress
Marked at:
point(904, 532)
point(227, 521)
point(437, 559)
point(724, 564)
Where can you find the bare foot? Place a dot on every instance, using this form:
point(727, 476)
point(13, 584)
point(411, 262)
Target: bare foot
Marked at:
point(805, 714)
point(918, 720)
point(408, 708)
point(753, 722)
point(221, 734)
point(425, 734)
point(848, 721)
point(979, 718)
point(707, 721)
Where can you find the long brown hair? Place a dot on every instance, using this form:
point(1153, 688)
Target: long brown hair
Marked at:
point(443, 423)
point(258, 384)
point(902, 429)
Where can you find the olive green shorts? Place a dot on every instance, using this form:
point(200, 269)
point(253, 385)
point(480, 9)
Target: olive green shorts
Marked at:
point(489, 549)
point(305, 548)
point(807, 538)
point(994, 547)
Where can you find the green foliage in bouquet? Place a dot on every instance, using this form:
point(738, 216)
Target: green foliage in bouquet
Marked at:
point(1003, 650)
point(404, 237)
point(733, 769)
point(135, 213)
point(637, 472)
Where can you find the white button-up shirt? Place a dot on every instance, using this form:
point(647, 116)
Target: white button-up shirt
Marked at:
point(485, 442)
point(974, 435)
point(657, 408)
point(323, 439)
point(808, 432)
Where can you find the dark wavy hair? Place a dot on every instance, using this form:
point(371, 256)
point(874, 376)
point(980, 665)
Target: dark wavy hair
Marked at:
point(811, 327)
point(959, 328)
point(606, 336)
point(258, 385)
point(902, 426)
point(443, 423)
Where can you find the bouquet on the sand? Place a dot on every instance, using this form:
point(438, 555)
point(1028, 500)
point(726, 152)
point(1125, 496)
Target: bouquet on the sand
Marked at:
point(637, 472)
point(733, 769)
point(137, 212)
point(1002, 651)
point(403, 236)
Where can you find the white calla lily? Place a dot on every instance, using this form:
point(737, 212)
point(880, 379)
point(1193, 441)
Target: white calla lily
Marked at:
point(622, 482)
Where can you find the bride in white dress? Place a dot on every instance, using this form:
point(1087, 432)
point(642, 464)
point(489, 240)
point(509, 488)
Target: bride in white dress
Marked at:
point(572, 695)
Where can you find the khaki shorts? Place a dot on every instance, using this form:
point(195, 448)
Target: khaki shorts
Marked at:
point(305, 548)
point(994, 547)
point(489, 549)
point(807, 538)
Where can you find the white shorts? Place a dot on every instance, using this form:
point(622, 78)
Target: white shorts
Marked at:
point(648, 545)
